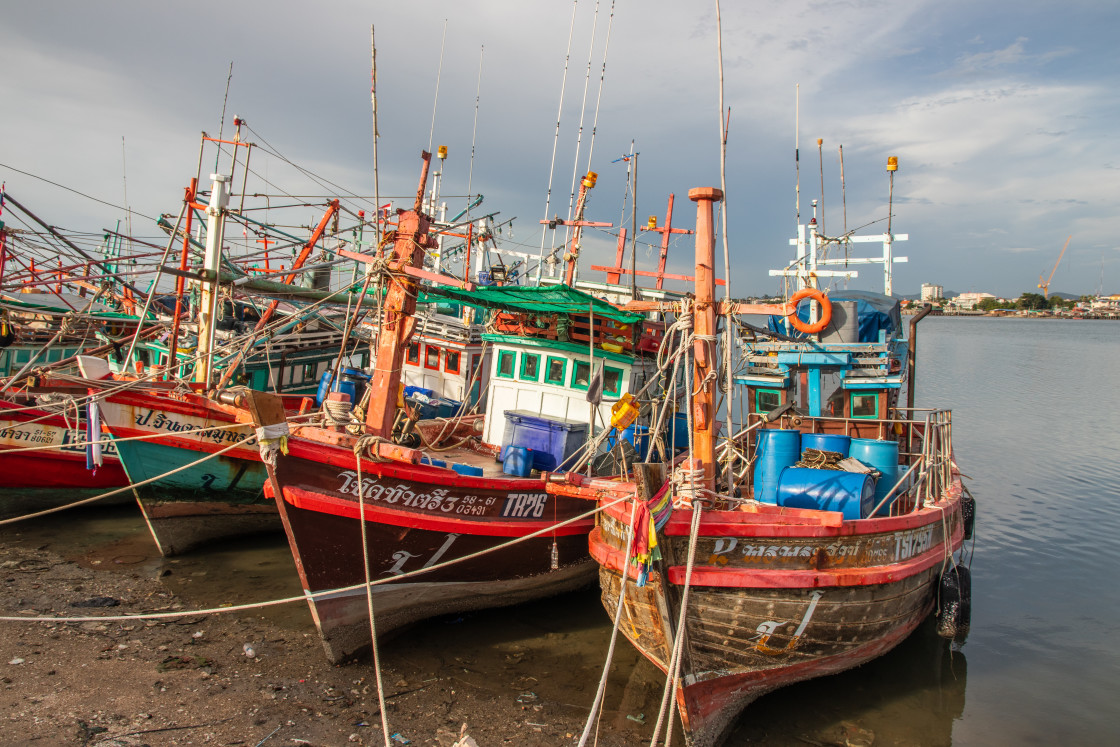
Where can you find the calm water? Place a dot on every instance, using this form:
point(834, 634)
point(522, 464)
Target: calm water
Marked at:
point(1035, 412)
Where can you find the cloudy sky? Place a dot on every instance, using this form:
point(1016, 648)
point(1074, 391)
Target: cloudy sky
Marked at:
point(1003, 117)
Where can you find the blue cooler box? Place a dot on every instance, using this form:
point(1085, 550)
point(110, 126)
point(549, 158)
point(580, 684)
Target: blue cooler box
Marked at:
point(551, 440)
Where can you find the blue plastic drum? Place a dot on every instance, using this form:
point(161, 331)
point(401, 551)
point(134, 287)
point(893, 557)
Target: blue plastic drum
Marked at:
point(775, 449)
point(849, 493)
point(826, 442)
point(883, 456)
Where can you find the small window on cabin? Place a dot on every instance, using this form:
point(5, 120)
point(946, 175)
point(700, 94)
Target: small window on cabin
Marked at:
point(431, 357)
point(581, 375)
point(530, 367)
point(506, 359)
point(612, 381)
point(451, 361)
point(413, 355)
point(767, 400)
point(554, 370)
point(865, 405)
point(308, 371)
point(476, 360)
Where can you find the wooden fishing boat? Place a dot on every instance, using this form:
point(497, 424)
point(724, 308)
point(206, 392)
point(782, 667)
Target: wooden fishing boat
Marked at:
point(46, 463)
point(735, 581)
point(444, 528)
point(161, 431)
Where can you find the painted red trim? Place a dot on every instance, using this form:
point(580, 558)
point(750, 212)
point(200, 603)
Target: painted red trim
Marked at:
point(447, 352)
point(57, 469)
point(427, 355)
point(328, 504)
point(249, 453)
point(423, 473)
point(810, 579)
point(766, 578)
point(775, 521)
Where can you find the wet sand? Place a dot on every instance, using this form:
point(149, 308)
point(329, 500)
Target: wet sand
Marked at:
point(525, 675)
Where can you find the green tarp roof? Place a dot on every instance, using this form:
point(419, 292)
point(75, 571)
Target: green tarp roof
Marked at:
point(553, 299)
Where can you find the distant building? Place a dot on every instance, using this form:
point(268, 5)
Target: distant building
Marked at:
point(970, 300)
point(931, 292)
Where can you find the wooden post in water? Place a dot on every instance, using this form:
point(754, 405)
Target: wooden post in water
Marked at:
point(704, 326)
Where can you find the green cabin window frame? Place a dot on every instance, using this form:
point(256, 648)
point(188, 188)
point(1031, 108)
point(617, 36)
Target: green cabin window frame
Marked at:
point(548, 370)
point(530, 367)
point(857, 402)
point(507, 364)
point(763, 399)
point(581, 369)
point(610, 372)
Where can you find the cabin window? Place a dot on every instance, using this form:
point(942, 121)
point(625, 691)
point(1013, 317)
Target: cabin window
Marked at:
point(865, 405)
point(612, 381)
point(308, 371)
point(451, 361)
point(767, 400)
point(431, 357)
point(554, 370)
point(581, 375)
point(530, 367)
point(506, 359)
point(413, 355)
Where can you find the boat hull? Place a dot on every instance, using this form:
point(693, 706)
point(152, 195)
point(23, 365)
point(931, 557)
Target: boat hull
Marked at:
point(187, 506)
point(40, 480)
point(418, 517)
point(775, 597)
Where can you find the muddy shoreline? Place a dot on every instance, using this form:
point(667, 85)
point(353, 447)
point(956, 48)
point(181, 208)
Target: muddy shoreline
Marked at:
point(526, 677)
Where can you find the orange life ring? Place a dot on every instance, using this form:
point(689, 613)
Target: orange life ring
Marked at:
point(826, 311)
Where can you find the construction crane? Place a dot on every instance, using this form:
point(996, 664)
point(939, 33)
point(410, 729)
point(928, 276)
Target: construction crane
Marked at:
point(1045, 284)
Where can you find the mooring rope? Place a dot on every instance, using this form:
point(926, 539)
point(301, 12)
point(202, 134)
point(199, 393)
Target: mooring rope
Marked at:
point(310, 596)
point(359, 446)
point(674, 664)
point(132, 486)
point(593, 716)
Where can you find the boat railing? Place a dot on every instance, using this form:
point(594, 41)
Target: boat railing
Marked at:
point(925, 448)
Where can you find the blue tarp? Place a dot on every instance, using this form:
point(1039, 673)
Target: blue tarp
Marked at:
point(875, 311)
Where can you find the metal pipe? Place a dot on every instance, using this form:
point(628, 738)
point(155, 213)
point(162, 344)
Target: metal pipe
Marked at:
point(912, 352)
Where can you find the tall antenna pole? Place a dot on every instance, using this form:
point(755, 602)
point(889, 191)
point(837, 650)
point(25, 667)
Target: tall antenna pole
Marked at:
point(844, 202)
point(555, 141)
point(634, 230)
point(127, 208)
point(579, 133)
point(474, 132)
point(723, 126)
point(602, 80)
point(373, 103)
point(820, 160)
point(222, 124)
point(439, 74)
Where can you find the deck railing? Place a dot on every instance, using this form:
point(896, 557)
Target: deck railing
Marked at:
point(925, 448)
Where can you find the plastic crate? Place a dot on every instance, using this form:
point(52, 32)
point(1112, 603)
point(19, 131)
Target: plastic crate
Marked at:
point(550, 440)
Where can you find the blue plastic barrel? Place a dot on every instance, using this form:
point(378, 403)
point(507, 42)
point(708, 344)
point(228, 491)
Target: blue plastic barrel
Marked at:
point(883, 456)
point(639, 438)
point(826, 442)
point(518, 461)
point(775, 449)
point(849, 493)
point(466, 469)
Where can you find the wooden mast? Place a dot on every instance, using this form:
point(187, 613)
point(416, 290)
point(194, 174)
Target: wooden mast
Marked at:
point(704, 326)
point(400, 305)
